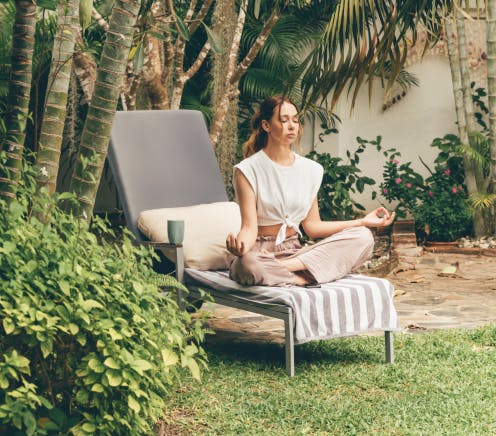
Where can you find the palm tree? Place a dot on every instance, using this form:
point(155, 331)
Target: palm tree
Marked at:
point(56, 97)
point(491, 79)
point(97, 128)
point(363, 37)
point(224, 21)
point(18, 99)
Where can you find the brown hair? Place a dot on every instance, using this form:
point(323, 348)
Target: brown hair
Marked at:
point(258, 138)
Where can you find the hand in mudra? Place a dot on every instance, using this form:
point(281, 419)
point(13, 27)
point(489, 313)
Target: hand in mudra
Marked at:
point(379, 217)
point(235, 246)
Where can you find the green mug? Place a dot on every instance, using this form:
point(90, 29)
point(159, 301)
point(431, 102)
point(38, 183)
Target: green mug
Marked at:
point(175, 231)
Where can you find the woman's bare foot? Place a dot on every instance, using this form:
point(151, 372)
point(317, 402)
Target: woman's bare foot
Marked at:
point(300, 280)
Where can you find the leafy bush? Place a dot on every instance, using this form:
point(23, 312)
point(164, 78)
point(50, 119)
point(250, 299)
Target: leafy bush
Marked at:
point(439, 203)
point(88, 343)
point(339, 182)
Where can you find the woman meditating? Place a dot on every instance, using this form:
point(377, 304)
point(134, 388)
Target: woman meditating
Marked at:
point(277, 191)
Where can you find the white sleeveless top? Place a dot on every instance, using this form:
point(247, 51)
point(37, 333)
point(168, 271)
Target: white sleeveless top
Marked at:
point(284, 194)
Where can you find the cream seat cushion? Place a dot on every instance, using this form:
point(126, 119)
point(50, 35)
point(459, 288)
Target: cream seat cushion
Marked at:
point(205, 230)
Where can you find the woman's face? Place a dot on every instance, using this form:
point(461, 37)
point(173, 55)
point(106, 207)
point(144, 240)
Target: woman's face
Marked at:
point(284, 126)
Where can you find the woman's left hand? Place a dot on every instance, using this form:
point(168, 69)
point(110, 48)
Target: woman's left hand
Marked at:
point(379, 217)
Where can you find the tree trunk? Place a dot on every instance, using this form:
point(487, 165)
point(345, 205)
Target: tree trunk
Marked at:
point(97, 128)
point(471, 171)
point(457, 84)
point(18, 98)
point(235, 71)
point(85, 70)
point(152, 74)
point(491, 85)
point(54, 114)
point(224, 20)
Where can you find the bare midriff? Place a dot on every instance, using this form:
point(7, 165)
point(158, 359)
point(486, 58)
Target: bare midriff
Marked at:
point(274, 230)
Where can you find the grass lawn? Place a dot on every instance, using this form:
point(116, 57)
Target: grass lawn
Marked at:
point(441, 383)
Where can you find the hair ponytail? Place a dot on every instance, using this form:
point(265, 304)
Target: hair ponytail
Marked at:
point(258, 138)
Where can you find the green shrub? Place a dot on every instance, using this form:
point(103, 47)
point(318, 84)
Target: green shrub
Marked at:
point(439, 203)
point(88, 343)
point(340, 181)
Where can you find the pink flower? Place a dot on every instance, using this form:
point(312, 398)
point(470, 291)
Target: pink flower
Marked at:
point(453, 190)
point(409, 185)
point(447, 172)
point(396, 161)
point(397, 180)
point(431, 194)
point(384, 191)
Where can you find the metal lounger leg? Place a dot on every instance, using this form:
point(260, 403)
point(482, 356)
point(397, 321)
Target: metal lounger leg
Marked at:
point(288, 330)
point(389, 341)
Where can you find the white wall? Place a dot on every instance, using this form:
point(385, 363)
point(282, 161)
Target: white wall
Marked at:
point(410, 125)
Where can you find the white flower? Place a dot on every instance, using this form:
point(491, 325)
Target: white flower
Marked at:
point(44, 171)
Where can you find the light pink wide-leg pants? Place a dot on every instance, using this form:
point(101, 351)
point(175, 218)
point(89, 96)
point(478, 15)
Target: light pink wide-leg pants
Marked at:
point(327, 260)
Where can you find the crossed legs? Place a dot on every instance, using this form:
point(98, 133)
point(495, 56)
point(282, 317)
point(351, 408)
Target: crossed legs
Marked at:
point(328, 260)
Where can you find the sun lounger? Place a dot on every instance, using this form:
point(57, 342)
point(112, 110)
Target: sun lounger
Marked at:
point(164, 159)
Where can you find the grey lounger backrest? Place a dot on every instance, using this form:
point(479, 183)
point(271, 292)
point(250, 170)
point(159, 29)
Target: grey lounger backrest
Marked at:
point(162, 158)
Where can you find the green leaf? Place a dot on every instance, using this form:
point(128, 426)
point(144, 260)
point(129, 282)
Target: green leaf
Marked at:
point(16, 210)
point(181, 27)
point(66, 196)
point(65, 287)
point(111, 363)
point(214, 40)
point(139, 57)
point(256, 9)
point(114, 378)
point(133, 404)
point(8, 325)
point(46, 347)
point(88, 427)
point(157, 35)
point(141, 365)
point(29, 422)
point(192, 366)
point(96, 365)
point(85, 7)
point(47, 4)
point(97, 387)
point(169, 357)
point(190, 350)
point(4, 382)
point(91, 304)
point(114, 335)
point(8, 247)
point(73, 328)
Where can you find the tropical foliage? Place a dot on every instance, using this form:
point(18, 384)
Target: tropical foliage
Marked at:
point(89, 344)
point(340, 181)
point(439, 203)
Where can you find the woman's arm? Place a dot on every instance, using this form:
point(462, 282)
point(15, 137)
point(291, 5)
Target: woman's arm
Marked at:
point(245, 239)
point(316, 228)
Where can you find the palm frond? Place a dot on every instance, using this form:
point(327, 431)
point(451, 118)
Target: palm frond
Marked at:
point(481, 202)
point(363, 37)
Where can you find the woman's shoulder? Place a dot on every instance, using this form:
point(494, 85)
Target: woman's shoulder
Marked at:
point(249, 162)
point(310, 164)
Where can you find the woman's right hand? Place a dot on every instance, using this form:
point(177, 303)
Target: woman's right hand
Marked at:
point(236, 246)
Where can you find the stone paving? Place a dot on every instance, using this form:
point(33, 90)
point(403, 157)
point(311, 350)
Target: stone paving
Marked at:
point(433, 291)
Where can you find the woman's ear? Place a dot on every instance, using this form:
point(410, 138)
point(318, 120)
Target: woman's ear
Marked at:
point(265, 126)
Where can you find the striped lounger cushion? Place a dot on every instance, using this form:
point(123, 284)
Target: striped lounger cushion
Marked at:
point(352, 305)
